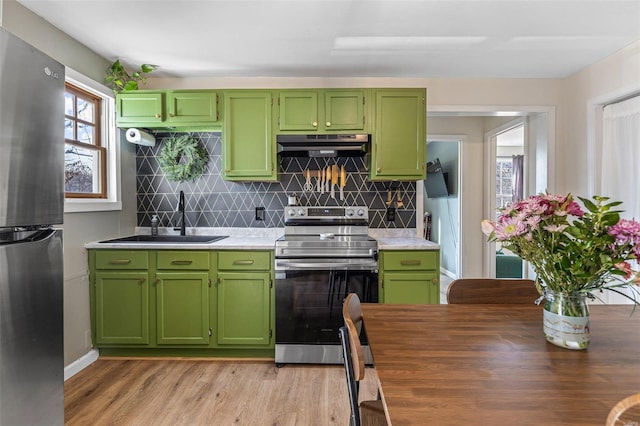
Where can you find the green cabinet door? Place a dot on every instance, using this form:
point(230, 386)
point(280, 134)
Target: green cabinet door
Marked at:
point(243, 308)
point(122, 307)
point(192, 107)
point(298, 110)
point(399, 137)
point(344, 110)
point(139, 109)
point(411, 287)
point(249, 152)
point(322, 111)
point(182, 308)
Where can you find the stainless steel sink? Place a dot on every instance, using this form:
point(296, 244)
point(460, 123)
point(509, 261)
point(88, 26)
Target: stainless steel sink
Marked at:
point(167, 239)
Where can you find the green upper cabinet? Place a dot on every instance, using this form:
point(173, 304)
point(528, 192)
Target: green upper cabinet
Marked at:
point(249, 151)
point(399, 136)
point(298, 110)
point(138, 109)
point(196, 109)
point(320, 110)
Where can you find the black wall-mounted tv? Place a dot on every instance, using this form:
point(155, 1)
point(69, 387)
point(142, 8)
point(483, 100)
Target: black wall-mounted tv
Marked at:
point(436, 183)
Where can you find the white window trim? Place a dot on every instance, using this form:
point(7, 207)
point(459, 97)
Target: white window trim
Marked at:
point(112, 139)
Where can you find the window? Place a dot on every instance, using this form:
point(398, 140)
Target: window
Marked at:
point(85, 171)
point(92, 147)
point(504, 178)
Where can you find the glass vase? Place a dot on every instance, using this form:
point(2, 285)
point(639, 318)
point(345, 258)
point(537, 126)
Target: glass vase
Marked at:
point(566, 320)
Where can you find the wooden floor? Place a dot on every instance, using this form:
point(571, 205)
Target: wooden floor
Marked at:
point(206, 392)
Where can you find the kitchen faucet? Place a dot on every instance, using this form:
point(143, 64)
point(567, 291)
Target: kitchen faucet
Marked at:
point(180, 210)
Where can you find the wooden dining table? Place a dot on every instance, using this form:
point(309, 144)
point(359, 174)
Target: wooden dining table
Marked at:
point(491, 365)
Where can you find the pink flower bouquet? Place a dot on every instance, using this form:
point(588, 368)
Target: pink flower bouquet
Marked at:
point(573, 249)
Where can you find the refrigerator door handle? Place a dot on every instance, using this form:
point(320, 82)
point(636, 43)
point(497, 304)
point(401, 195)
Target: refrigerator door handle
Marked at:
point(28, 236)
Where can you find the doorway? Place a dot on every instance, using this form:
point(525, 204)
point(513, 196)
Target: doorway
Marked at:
point(470, 124)
point(509, 185)
point(441, 200)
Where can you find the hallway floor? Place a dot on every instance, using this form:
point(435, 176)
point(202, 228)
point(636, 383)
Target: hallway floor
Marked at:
point(444, 286)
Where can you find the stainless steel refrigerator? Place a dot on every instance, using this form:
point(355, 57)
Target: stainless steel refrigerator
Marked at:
point(31, 205)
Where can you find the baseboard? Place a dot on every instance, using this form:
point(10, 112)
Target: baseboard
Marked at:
point(80, 364)
point(448, 273)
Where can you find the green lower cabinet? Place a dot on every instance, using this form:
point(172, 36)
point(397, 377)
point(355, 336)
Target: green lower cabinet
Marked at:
point(163, 302)
point(243, 308)
point(182, 308)
point(411, 287)
point(122, 308)
point(410, 276)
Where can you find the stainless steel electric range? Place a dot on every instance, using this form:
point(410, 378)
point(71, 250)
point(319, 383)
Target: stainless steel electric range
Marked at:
point(325, 253)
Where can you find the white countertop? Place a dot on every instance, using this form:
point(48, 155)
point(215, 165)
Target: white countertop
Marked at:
point(263, 239)
point(239, 239)
point(401, 239)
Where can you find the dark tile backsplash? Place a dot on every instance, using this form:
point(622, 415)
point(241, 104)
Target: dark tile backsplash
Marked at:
point(214, 202)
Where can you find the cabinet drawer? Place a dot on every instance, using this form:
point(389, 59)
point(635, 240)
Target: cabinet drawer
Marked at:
point(183, 260)
point(410, 260)
point(244, 260)
point(122, 259)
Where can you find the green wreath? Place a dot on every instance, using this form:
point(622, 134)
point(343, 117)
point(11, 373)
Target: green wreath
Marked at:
point(182, 158)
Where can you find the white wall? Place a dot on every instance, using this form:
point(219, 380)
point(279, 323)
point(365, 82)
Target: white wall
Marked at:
point(79, 228)
point(604, 82)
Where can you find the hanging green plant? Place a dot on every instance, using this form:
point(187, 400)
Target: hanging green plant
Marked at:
point(182, 158)
point(121, 81)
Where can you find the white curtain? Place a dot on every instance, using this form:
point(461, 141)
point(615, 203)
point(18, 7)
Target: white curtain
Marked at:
point(621, 155)
point(621, 162)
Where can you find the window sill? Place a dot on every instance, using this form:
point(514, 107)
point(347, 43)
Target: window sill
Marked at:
point(84, 206)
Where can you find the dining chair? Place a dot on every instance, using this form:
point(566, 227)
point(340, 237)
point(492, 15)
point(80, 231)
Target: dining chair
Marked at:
point(626, 412)
point(492, 290)
point(365, 413)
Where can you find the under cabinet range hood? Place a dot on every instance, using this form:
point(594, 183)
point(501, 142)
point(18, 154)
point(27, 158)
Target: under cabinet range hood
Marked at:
point(309, 145)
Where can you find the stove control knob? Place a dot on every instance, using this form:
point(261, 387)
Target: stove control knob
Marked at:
point(291, 212)
point(349, 212)
point(300, 212)
point(360, 212)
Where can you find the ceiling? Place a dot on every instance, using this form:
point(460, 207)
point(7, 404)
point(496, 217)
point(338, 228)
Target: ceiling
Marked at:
point(350, 38)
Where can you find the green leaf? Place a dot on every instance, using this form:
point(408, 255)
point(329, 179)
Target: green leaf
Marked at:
point(131, 85)
point(147, 68)
point(614, 203)
point(589, 205)
point(610, 219)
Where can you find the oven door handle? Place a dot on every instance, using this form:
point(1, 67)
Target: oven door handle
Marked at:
point(316, 264)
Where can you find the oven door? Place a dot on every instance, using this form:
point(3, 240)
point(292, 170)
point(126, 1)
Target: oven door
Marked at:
point(309, 310)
